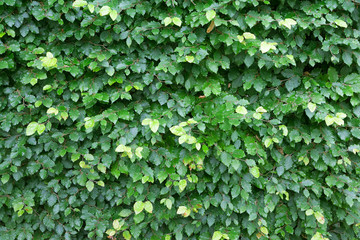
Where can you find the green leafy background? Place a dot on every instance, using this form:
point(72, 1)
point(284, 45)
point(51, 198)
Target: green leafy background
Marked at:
point(179, 119)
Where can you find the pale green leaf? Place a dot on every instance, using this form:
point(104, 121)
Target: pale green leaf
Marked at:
point(177, 21)
point(182, 184)
point(217, 235)
point(105, 10)
point(138, 207)
point(241, 110)
point(341, 23)
point(90, 185)
point(248, 35)
point(210, 15)
point(79, 3)
point(154, 125)
point(311, 106)
point(255, 171)
point(31, 128)
point(167, 21)
point(148, 206)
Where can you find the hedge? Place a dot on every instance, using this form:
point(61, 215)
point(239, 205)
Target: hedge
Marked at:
point(180, 119)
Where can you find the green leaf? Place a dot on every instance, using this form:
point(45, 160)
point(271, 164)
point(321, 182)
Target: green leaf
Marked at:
point(40, 128)
point(268, 142)
point(138, 207)
point(267, 46)
point(177, 130)
point(176, 21)
point(79, 3)
point(90, 185)
point(288, 22)
point(105, 10)
point(90, 123)
point(329, 120)
point(148, 206)
point(154, 125)
point(241, 110)
point(127, 235)
point(113, 15)
point(31, 128)
point(309, 212)
point(255, 171)
point(311, 106)
point(181, 210)
point(264, 230)
point(217, 235)
point(125, 213)
point(248, 36)
point(5, 178)
point(146, 121)
point(210, 15)
point(190, 59)
point(52, 111)
point(138, 151)
point(182, 184)
point(167, 21)
point(341, 23)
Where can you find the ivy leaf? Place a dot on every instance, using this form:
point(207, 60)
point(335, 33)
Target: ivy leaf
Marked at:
point(210, 15)
point(31, 128)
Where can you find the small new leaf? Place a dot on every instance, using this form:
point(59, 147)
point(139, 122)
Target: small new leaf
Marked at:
point(311, 106)
point(241, 110)
point(90, 185)
point(341, 23)
point(177, 21)
point(248, 35)
point(79, 3)
point(288, 22)
point(138, 207)
point(167, 21)
point(31, 128)
point(210, 15)
point(255, 171)
point(105, 10)
point(154, 125)
point(267, 46)
point(148, 206)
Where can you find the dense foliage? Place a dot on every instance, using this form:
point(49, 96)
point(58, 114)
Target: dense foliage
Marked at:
point(179, 119)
